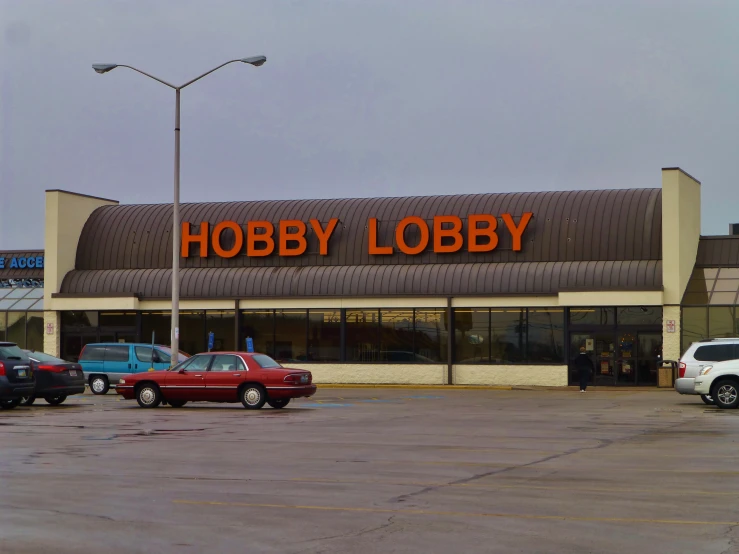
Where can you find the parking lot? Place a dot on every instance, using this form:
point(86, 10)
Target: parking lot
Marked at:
point(374, 470)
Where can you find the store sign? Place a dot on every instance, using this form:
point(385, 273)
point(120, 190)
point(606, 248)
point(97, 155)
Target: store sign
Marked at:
point(444, 235)
point(22, 262)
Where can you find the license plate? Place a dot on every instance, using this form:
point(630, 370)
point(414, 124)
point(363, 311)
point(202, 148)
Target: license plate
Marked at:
point(73, 372)
point(21, 373)
point(304, 379)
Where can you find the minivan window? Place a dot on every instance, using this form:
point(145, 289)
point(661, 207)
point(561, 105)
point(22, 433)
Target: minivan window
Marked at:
point(716, 353)
point(92, 354)
point(116, 353)
point(12, 352)
point(143, 353)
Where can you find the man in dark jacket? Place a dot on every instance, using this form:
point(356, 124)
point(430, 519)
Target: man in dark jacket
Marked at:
point(584, 366)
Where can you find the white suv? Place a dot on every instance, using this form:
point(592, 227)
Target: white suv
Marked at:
point(721, 382)
point(698, 356)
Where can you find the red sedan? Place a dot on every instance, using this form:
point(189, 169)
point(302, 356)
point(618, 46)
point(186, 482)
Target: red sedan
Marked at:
point(253, 379)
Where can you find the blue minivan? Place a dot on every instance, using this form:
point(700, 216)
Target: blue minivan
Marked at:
point(105, 363)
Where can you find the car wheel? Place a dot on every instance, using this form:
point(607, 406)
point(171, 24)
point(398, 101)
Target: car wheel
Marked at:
point(99, 384)
point(9, 404)
point(148, 396)
point(278, 404)
point(253, 397)
point(726, 394)
point(28, 400)
point(55, 400)
point(177, 403)
point(707, 399)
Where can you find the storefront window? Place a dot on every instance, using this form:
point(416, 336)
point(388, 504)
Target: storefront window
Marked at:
point(79, 320)
point(430, 337)
point(362, 335)
point(3, 326)
point(592, 316)
point(291, 330)
point(324, 335)
point(192, 332)
point(17, 328)
point(640, 315)
point(35, 331)
point(259, 325)
point(546, 338)
point(721, 321)
point(396, 336)
point(222, 324)
point(694, 326)
point(507, 335)
point(117, 319)
point(159, 323)
point(472, 335)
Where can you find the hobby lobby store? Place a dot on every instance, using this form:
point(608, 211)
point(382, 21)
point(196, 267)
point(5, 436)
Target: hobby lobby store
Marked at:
point(465, 289)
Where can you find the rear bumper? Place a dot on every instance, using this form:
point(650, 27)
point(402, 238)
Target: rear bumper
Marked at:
point(66, 390)
point(10, 391)
point(685, 385)
point(703, 385)
point(280, 393)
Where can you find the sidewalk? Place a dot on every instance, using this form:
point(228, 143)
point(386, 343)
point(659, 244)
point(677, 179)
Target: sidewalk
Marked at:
point(493, 387)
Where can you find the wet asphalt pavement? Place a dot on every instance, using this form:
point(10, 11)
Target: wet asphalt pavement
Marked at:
point(374, 471)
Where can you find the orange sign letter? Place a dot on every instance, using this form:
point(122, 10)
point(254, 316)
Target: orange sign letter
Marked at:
point(238, 240)
point(454, 232)
point(286, 236)
point(473, 232)
point(517, 232)
point(252, 238)
point(400, 235)
point(373, 248)
point(322, 235)
point(201, 239)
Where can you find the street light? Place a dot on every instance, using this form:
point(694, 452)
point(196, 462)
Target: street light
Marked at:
point(101, 68)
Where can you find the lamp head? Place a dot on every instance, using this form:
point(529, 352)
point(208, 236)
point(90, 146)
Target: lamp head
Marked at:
point(256, 61)
point(104, 67)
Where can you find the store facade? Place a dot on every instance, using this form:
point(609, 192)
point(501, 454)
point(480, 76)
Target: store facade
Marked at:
point(464, 289)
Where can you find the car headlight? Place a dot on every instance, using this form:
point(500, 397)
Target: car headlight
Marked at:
point(706, 370)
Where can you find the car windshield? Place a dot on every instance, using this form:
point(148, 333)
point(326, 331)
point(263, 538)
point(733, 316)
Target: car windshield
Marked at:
point(181, 356)
point(42, 357)
point(265, 361)
point(12, 352)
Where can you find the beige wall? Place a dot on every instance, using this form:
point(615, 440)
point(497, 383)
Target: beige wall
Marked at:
point(517, 375)
point(681, 229)
point(386, 374)
point(671, 341)
point(611, 298)
point(66, 214)
point(52, 341)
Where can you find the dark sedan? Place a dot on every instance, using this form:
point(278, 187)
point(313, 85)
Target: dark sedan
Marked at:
point(16, 375)
point(56, 379)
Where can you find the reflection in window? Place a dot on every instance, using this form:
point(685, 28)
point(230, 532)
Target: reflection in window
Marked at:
point(472, 335)
point(259, 325)
point(290, 335)
point(694, 326)
point(117, 319)
point(430, 336)
point(640, 315)
point(396, 335)
point(507, 335)
point(17, 328)
point(324, 335)
point(35, 332)
point(721, 321)
point(3, 326)
point(546, 335)
point(79, 319)
point(192, 332)
point(158, 323)
point(222, 325)
point(592, 316)
point(362, 335)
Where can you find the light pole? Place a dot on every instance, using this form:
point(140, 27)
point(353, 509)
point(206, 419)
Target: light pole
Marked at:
point(104, 68)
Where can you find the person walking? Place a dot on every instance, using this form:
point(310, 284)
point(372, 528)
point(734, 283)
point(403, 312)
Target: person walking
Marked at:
point(584, 366)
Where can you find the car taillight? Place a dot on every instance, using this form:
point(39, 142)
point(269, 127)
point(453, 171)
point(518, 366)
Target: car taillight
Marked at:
point(681, 369)
point(53, 368)
point(2, 368)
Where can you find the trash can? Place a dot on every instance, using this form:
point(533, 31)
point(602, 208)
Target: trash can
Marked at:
point(666, 374)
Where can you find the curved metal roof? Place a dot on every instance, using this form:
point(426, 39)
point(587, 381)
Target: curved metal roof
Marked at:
point(720, 251)
point(594, 225)
point(371, 280)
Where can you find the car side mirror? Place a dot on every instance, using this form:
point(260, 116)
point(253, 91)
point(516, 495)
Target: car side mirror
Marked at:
point(155, 358)
point(181, 371)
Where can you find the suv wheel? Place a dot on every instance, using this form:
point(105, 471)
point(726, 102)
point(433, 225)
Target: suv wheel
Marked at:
point(726, 394)
point(707, 399)
point(99, 384)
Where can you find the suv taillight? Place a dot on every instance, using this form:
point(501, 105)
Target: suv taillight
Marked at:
point(2, 368)
point(681, 369)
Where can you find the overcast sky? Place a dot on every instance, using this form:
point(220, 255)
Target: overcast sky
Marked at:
point(365, 98)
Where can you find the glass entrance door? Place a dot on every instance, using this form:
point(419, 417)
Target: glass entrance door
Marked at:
point(649, 354)
point(602, 350)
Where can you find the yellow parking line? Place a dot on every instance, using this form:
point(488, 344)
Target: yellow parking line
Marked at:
point(455, 514)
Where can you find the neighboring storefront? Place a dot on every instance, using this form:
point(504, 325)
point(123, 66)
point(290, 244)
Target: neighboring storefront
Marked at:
point(465, 289)
point(22, 298)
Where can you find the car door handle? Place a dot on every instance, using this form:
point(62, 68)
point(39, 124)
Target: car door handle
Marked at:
point(198, 375)
point(237, 374)
point(129, 366)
